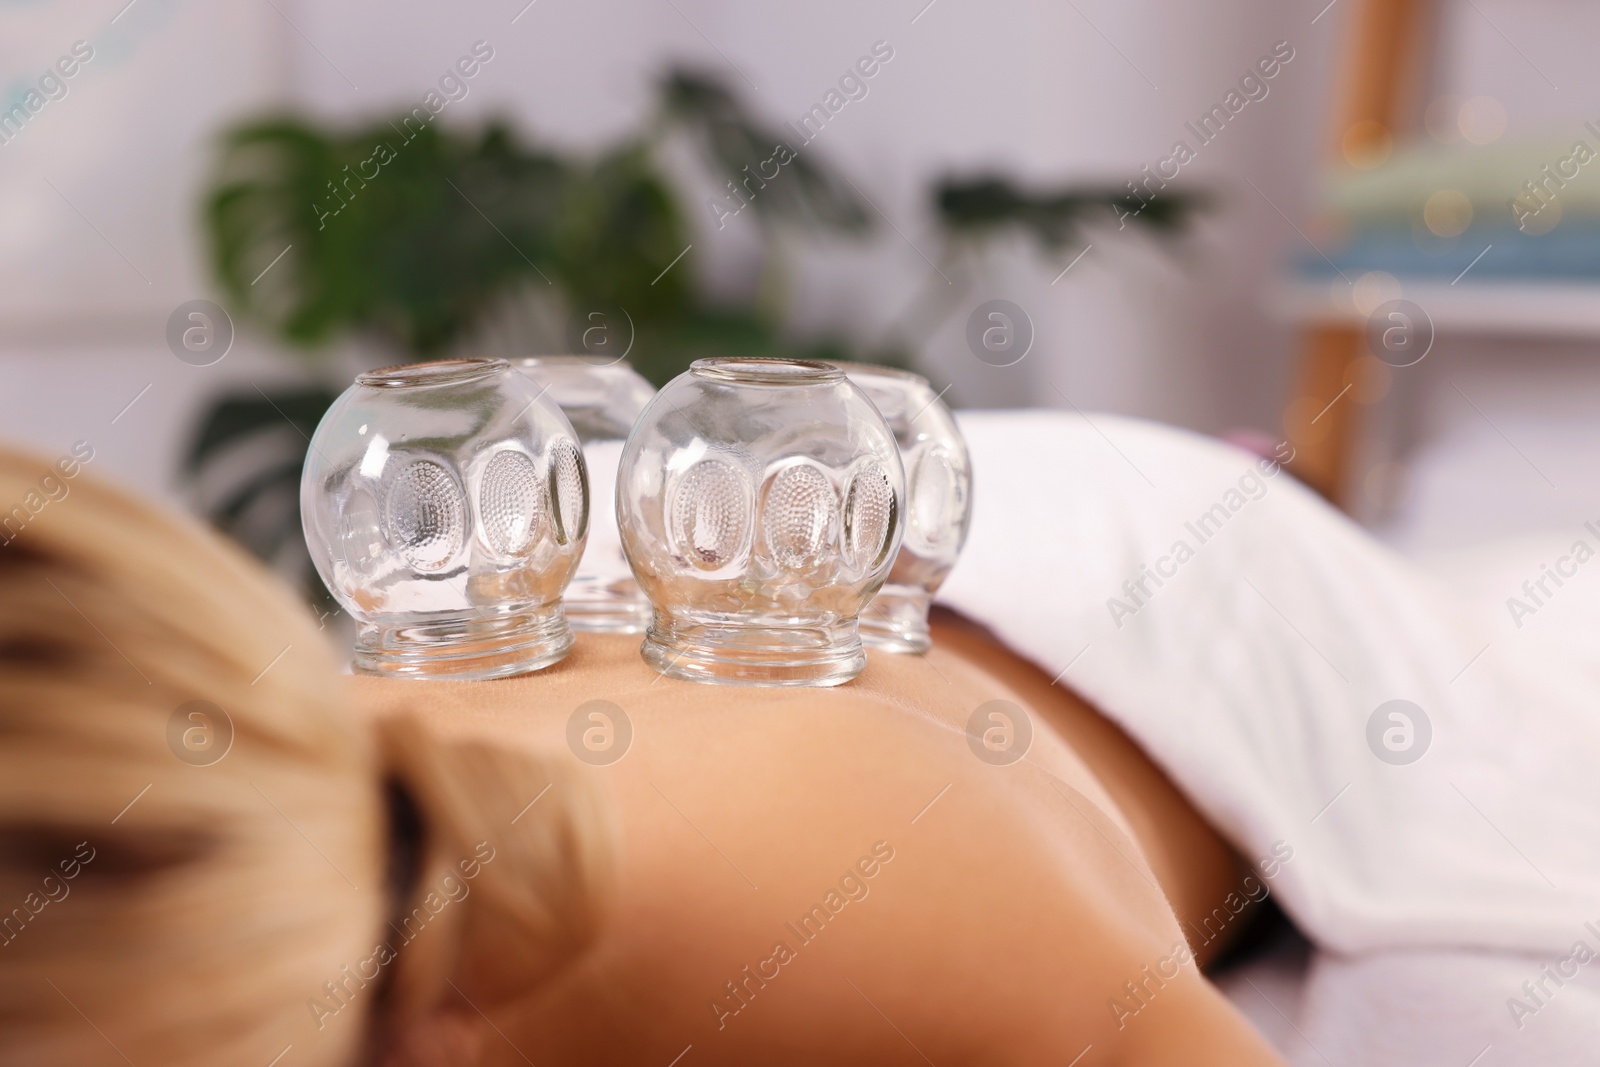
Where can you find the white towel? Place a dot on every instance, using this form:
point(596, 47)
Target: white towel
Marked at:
point(1250, 666)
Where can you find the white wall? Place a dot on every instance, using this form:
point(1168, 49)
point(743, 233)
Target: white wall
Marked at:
point(1027, 87)
point(98, 190)
point(1043, 90)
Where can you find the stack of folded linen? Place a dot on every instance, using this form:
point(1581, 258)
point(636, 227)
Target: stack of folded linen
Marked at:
point(1431, 210)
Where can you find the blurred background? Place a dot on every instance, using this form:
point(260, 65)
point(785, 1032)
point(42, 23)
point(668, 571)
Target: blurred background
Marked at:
point(570, 160)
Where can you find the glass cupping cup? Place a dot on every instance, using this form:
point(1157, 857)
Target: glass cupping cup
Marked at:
point(445, 506)
point(938, 504)
point(760, 505)
point(602, 398)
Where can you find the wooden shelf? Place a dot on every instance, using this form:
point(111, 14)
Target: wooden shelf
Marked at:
point(1518, 309)
point(1377, 101)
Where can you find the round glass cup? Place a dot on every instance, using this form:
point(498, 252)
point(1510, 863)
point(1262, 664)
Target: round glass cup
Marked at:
point(602, 399)
point(445, 506)
point(938, 504)
point(760, 504)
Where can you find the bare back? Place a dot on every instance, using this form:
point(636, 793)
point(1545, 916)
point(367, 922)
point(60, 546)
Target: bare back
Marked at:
point(845, 876)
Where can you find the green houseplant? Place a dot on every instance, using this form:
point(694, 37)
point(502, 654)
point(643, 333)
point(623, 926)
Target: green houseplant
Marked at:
point(426, 240)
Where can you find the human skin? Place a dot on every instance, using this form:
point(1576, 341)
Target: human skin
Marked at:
point(1019, 900)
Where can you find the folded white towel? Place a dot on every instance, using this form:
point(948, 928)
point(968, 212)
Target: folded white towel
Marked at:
point(1245, 634)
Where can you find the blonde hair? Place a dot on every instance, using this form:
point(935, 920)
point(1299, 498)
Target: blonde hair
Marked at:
point(194, 905)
